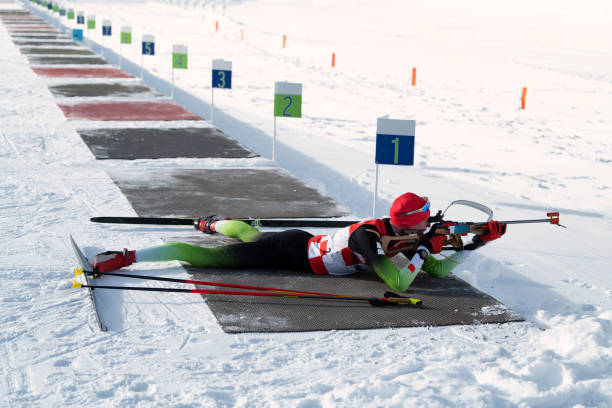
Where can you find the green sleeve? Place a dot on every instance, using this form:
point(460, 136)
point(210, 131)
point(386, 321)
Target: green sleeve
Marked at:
point(398, 280)
point(442, 267)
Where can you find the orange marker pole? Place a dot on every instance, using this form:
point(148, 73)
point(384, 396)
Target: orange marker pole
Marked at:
point(413, 76)
point(217, 25)
point(524, 98)
point(333, 59)
point(242, 34)
point(284, 40)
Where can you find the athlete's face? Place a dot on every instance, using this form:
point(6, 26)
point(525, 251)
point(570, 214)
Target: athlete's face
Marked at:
point(420, 227)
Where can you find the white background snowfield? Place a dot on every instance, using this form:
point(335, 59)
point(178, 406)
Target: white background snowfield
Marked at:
point(473, 58)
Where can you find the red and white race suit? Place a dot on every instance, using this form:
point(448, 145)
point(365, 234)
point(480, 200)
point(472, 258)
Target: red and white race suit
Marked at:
point(331, 255)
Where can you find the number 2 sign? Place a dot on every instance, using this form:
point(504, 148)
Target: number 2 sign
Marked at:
point(288, 99)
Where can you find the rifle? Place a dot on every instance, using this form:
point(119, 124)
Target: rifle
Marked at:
point(455, 230)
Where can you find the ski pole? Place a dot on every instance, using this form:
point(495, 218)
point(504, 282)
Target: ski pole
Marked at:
point(374, 301)
point(78, 272)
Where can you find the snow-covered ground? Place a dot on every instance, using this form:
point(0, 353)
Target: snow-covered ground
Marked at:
point(472, 58)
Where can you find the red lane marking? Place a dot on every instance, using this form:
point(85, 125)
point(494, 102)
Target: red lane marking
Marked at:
point(128, 111)
point(82, 72)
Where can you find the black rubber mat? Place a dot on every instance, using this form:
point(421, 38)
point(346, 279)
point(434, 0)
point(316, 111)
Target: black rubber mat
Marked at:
point(234, 192)
point(22, 31)
point(34, 43)
point(101, 89)
point(156, 143)
point(16, 35)
point(448, 301)
point(38, 60)
point(58, 51)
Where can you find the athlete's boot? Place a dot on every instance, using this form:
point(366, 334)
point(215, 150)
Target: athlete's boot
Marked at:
point(112, 260)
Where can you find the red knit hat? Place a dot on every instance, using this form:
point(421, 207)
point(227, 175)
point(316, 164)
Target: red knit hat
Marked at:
point(407, 203)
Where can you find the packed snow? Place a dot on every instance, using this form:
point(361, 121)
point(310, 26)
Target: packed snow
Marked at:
point(472, 142)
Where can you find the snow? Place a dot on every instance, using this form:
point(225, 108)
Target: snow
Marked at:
point(472, 59)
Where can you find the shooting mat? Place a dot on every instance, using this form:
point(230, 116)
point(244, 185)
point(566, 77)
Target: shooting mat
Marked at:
point(448, 301)
point(157, 143)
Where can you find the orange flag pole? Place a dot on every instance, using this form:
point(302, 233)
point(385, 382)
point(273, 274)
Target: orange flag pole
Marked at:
point(524, 98)
point(413, 76)
point(333, 59)
point(284, 40)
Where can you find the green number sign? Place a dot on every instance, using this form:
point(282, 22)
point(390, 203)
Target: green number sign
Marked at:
point(179, 57)
point(288, 99)
point(289, 106)
point(126, 38)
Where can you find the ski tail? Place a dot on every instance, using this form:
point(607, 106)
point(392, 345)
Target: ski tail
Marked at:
point(89, 278)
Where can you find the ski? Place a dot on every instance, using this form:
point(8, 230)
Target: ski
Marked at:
point(255, 222)
point(88, 268)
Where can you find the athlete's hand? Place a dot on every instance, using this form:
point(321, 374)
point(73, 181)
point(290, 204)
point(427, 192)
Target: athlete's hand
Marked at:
point(433, 242)
point(493, 230)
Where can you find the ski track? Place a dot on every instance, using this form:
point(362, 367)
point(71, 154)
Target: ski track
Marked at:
point(168, 350)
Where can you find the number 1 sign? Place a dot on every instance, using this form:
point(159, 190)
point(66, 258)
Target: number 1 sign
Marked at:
point(287, 103)
point(394, 146)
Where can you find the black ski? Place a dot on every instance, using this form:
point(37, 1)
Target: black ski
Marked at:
point(256, 222)
point(87, 272)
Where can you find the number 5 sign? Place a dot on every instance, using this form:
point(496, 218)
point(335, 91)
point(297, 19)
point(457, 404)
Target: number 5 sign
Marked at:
point(394, 146)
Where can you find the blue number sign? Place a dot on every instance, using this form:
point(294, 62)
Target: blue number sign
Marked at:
point(107, 28)
point(80, 18)
point(148, 45)
point(222, 74)
point(77, 34)
point(395, 142)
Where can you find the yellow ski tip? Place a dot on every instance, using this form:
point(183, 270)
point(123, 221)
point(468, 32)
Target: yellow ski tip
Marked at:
point(78, 272)
point(76, 285)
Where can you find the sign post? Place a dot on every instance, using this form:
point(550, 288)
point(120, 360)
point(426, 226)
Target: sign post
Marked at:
point(148, 48)
point(126, 38)
point(107, 30)
point(287, 104)
point(221, 78)
point(179, 61)
point(394, 146)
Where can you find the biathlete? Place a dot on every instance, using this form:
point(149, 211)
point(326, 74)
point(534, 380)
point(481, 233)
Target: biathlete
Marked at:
point(344, 252)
